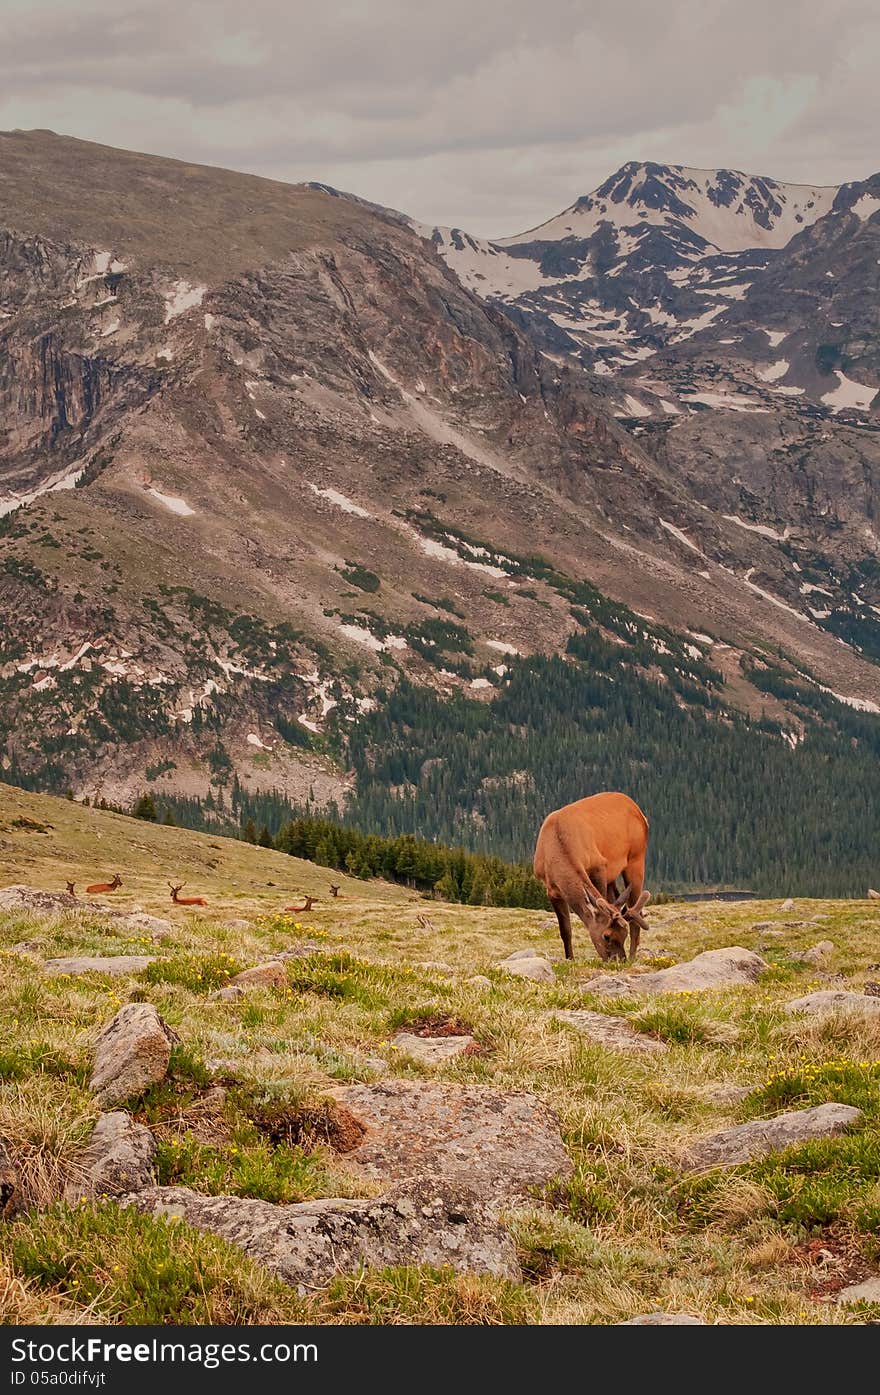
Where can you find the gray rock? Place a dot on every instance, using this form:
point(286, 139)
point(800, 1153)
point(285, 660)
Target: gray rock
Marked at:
point(377, 1064)
point(498, 1143)
point(59, 902)
point(269, 975)
point(227, 994)
point(787, 905)
point(762, 1136)
point(868, 1291)
point(479, 981)
point(131, 1054)
point(302, 951)
point(432, 1051)
point(526, 964)
point(614, 1032)
point(33, 898)
point(819, 955)
point(156, 926)
point(662, 1320)
point(237, 924)
point(728, 1094)
point(307, 1244)
point(835, 1000)
point(763, 924)
point(118, 965)
point(119, 1158)
point(437, 965)
point(714, 968)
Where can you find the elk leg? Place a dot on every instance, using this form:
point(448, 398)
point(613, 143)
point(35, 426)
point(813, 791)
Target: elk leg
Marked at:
point(560, 906)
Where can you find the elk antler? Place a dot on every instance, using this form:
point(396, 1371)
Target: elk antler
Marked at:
point(623, 897)
point(615, 918)
point(635, 912)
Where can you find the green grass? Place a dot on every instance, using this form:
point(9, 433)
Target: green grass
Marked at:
point(200, 973)
point(144, 1270)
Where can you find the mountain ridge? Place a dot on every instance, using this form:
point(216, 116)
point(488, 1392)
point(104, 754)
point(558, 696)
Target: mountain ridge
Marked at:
point(296, 486)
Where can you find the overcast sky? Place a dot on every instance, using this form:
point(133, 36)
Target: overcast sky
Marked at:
point(490, 115)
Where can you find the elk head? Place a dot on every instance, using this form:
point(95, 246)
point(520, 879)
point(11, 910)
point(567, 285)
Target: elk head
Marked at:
point(116, 882)
point(71, 888)
point(610, 926)
point(175, 890)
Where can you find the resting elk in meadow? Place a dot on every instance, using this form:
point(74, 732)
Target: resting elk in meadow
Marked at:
point(581, 851)
point(97, 887)
point(306, 905)
point(185, 900)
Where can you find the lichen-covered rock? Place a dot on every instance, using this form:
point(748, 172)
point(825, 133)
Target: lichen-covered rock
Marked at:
point(714, 968)
point(307, 1244)
point(818, 955)
point(835, 1000)
point(118, 965)
point(614, 1032)
point(120, 1157)
point(868, 1291)
point(269, 975)
point(33, 898)
point(479, 981)
point(728, 1094)
point(528, 964)
point(156, 926)
point(432, 1051)
point(498, 1143)
point(131, 1054)
point(762, 1136)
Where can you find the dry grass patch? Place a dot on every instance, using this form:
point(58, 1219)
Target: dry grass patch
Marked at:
point(45, 1124)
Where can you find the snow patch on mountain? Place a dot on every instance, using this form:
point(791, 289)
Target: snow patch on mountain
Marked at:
point(849, 394)
point(171, 501)
point(182, 297)
point(341, 501)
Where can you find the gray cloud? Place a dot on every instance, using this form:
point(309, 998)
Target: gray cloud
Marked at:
point(488, 114)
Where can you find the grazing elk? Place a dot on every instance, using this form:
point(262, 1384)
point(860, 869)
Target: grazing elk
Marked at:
point(71, 889)
point(185, 900)
point(306, 906)
point(581, 850)
point(97, 887)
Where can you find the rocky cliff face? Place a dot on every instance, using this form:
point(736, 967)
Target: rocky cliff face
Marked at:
point(733, 321)
point(247, 492)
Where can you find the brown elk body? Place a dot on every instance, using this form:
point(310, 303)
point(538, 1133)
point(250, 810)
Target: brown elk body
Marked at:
point(185, 900)
point(306, 906)
point(581, 851)
point(97, 887)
